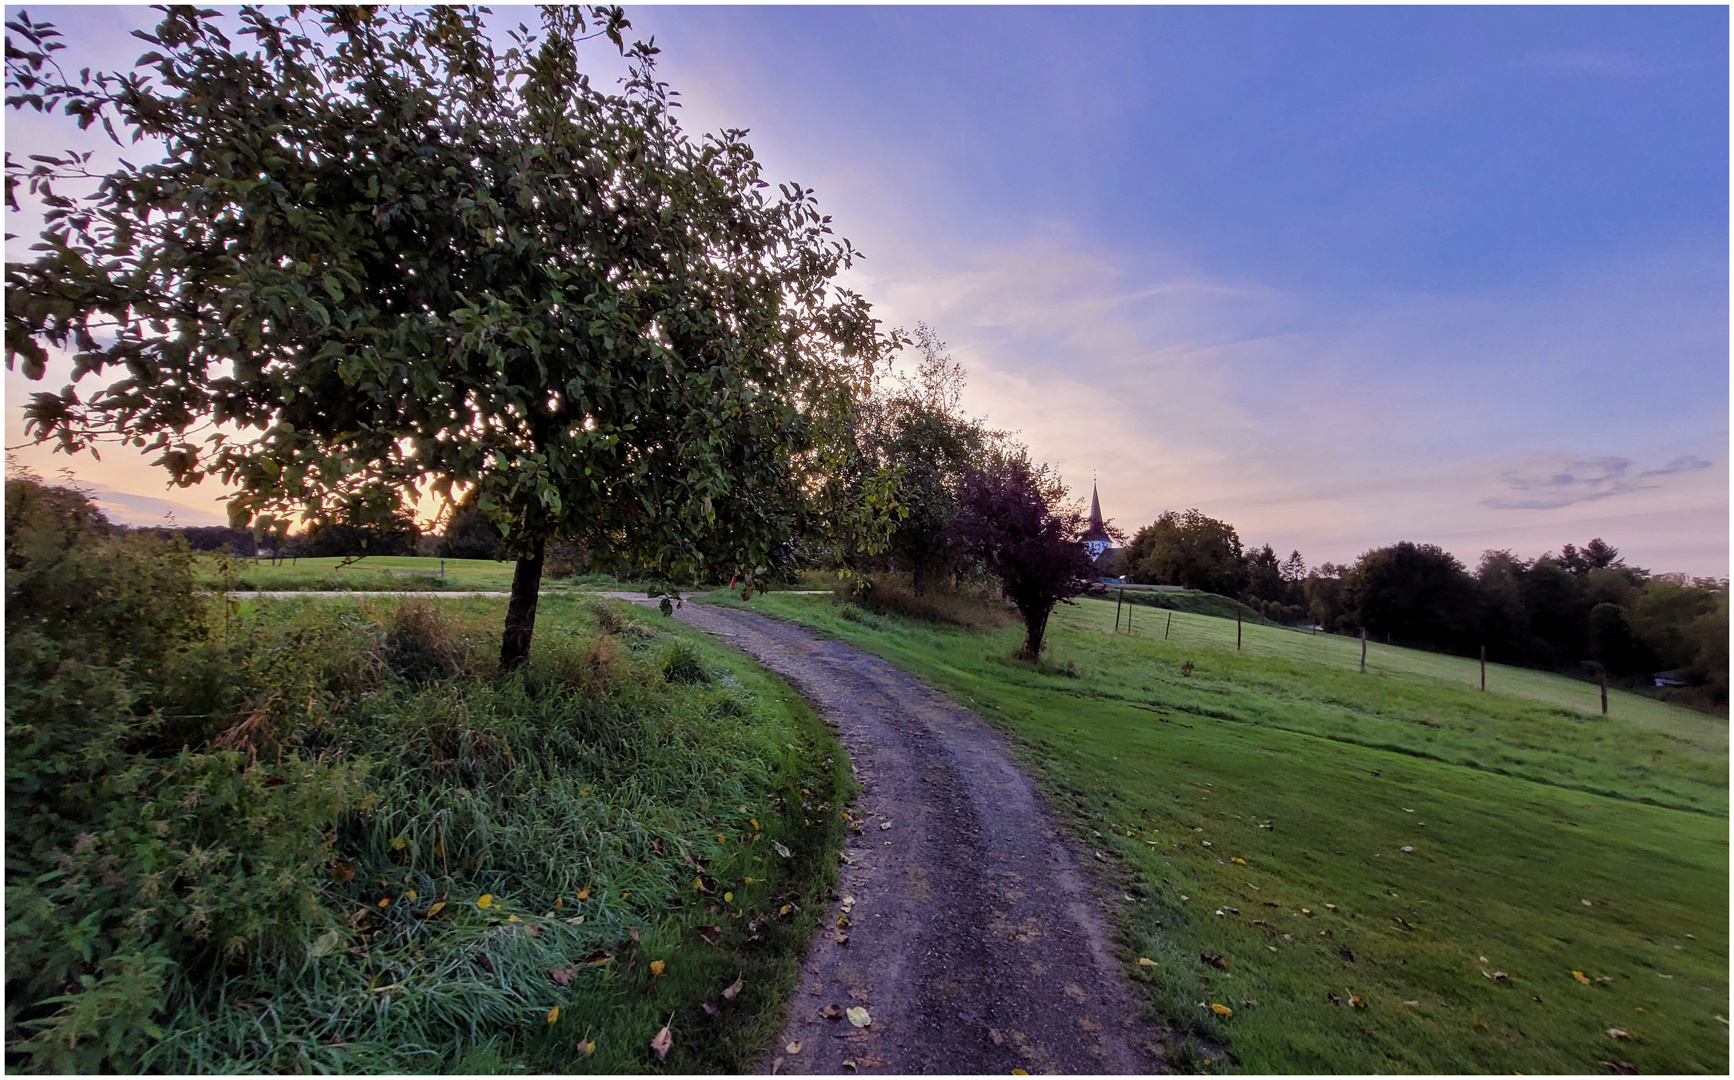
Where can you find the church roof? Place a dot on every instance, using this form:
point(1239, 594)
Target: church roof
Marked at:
point(1096, 531)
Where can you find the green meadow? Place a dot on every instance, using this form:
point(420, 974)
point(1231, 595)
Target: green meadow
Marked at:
point(1337, 871)
point(372, 573)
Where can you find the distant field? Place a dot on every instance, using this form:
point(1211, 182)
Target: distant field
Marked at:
point(1261, 804)
point(375, 572)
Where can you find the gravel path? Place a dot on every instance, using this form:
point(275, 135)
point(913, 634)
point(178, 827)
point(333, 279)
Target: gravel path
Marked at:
point(975, 941)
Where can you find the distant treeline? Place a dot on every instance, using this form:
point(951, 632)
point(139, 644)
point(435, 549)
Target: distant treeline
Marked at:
point(1568, 611)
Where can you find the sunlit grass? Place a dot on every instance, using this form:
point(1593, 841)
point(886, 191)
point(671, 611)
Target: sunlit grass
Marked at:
point(1280, 778)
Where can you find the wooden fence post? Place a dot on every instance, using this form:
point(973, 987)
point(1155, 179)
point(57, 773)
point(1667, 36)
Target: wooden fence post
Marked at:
point(1237, 631)
point(1363, 648)
point(1168, 627)
point(1117, 602)
point(1602, 677)
point(1484, 669)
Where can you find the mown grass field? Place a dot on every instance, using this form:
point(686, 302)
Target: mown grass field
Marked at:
point(1397, 871)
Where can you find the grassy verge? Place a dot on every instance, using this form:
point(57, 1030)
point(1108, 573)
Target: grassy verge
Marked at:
point(1396, 871)
point(1193, 603)
point(400, 573)
point(528, 873)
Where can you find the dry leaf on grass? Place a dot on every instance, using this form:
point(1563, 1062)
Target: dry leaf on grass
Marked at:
point(657, 967)
point(487, 901)
point(663, 1041)
point(1221, 1010)
point(562, 976)
point(554, 1014)
point(1618, 1033)
point(1581, 977)
point(1145, 961)
point(781, 850)
point(733, 989)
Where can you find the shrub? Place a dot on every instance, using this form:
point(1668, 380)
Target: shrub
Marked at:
point(894, 594)
point(681, 664)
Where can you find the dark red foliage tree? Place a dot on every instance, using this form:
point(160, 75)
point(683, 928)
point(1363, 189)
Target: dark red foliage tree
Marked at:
point(1014, 519)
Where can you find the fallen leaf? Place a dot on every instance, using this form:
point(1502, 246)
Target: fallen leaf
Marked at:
point(589, 1047)
point(1307, 911)
point(398, 843)
point(1214, 961)
point(1346, 955)
point(831, 1012)
point(1479, 1026)
point(1413, 1004)
point(1357, 1002)
point(325, 942)
point(484, 963)
point(559, 902)
point(1221, 1010)
point(584, 893)
point(342, 871)
point(1326, 932)
point(858, 1016)
point(1333, 999)
point(564, 975)
point(883, 825)
point(792, 1048)
point(1020, 1072)
point(1617, 1033)
point(1581, 977)
point(733, 990)
point(840, 937)
point(780, 849)
point(661, 1044)
point(1624, 1068)
point(1330, 907)
point(1239, 860)
point(712, 934)
point(1145, 961)
point(1500, 976)
point(1406, 847)
point(1586, 903)
point(657, 967)
point(712, 1008)
point(514, 918)
point(487, 901)
point(553, 1014)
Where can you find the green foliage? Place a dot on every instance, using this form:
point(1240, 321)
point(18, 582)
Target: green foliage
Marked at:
point(1419, 591)
point(895, 594)
point(418, 259)
point(265, 849)
point(1189, 549)
point(1286, 758)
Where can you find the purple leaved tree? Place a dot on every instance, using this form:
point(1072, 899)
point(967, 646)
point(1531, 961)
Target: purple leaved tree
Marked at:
point(1014, 519)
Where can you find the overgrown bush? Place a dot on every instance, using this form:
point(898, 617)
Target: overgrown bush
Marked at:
point(299, 837)
point(894, 594)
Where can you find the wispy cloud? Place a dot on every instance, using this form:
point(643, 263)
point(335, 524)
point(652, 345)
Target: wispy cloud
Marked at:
point(1549, 485)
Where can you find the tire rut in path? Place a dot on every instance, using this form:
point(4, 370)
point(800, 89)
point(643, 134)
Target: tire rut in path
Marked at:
point(976, 943)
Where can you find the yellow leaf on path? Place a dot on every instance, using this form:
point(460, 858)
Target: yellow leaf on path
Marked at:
point(792, 1048)
point(657, 967)
point(553, 1014)
point(661, 1044)
point(1020, 1072)
point(1581, 977)
point(487, 901)
point(584, 893)
point(1221, 1010)
point(1145, 961)
point(858, 1016)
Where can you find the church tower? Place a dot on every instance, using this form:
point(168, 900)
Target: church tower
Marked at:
point(1096, 537)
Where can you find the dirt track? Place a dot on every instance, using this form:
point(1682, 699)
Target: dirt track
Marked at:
point(976, 943)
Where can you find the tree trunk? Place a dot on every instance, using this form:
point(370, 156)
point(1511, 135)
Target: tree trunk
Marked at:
point(521, 609)
point(1035, 628)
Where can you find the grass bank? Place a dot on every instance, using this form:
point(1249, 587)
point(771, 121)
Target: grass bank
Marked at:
point(483, 873)
point(1388, 871)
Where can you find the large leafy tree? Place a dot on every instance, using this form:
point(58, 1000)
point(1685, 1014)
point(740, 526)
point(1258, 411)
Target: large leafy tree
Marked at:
point(1014, 518)
point(381, 256)
point(1188, 548)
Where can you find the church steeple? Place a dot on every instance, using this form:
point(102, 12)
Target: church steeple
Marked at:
point(1096, 536)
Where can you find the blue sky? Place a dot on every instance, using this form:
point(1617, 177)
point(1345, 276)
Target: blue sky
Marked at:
point(1341, 276)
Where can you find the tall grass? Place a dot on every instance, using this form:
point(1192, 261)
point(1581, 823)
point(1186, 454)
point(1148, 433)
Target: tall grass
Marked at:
point(522, 849)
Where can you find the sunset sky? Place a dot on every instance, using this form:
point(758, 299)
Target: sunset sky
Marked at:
point(1340, 276)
